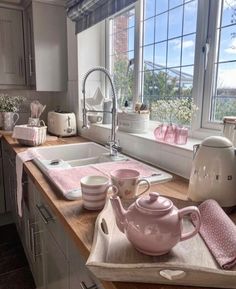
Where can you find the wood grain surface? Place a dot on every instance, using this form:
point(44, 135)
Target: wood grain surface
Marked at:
point(80, 222)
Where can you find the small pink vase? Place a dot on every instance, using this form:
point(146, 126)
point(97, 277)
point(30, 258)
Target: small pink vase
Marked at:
point(181, 135)
point(170, 133)
point(160, 132)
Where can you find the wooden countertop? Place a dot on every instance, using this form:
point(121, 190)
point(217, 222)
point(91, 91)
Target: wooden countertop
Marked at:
point(78, 221)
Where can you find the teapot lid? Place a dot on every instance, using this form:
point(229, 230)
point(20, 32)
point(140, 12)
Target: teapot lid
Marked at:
point(217, 142)
point(154, 203)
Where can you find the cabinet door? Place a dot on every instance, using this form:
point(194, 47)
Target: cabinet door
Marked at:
point(50, 43)
point(56, 264)
point(80, 276)
point(29, 45)
point(2, 197)
point(12, 69)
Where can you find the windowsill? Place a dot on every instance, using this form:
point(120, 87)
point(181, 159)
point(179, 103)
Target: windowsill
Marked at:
point(173, 158)
point(150, 136)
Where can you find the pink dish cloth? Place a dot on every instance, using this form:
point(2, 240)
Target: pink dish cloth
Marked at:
point(68, 179)
point(144, 170)
point(22, 157)
point(219, 233)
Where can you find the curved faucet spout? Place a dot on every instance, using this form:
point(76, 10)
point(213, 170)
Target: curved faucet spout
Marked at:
point(113, 139)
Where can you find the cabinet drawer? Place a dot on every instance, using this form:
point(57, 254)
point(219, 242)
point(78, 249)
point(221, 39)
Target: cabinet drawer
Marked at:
point(52, 224)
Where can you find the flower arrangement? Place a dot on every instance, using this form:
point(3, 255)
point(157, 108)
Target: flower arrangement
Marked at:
point(10, 103)
point(178, 110)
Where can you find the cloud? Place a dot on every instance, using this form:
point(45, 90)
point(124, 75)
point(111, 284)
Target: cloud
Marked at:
point(186, 43)
point(232, 47)
point(229, 4)
point(226, 78)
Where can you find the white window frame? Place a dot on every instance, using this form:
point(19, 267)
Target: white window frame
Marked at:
point(203, 63)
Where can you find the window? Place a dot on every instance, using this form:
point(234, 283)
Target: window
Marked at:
point(177, 49)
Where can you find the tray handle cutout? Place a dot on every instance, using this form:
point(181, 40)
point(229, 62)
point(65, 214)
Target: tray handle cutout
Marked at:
point(104, 226)
point(172, 274)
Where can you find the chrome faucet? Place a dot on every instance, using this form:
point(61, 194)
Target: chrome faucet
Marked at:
point(112, 143)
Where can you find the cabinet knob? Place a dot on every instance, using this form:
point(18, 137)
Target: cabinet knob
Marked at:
point(84, 286)
point(45, 215)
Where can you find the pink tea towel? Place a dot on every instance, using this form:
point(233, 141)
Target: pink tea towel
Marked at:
point(219, 233)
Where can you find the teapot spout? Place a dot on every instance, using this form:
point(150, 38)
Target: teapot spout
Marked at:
point(119, 212)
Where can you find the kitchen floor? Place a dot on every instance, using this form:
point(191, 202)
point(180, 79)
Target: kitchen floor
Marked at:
point(14, 269)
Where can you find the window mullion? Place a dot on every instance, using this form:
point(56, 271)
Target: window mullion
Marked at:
point(138, 51)
point(199, 62)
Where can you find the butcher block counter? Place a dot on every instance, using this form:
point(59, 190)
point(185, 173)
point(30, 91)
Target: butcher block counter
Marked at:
point(79, 222)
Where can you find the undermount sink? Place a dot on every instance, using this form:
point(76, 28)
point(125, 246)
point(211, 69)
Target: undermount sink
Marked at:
point(82, 154)
point(73, 155)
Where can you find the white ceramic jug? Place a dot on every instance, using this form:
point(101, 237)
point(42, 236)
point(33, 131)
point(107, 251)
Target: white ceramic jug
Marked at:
point(9, 120)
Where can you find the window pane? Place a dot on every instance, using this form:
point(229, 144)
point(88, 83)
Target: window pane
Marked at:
point(188, 50)
point(174, 3)
point(161, 6)
point(172, 75)
point(149, 8)
point(175, 22)
point(160, 54)
point(148, 56)
point(190, 17)
point(228, 43)
point(149, 31)
point(121, 52)
point(228, 13)
point(161, 27)
point(174, 52)
point(224, 99)
point(186, 81)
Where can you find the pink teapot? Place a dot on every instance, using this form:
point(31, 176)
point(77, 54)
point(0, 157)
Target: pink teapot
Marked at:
point(153, 224)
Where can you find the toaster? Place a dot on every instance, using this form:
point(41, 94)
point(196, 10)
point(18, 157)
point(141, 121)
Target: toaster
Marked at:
point(61, 123)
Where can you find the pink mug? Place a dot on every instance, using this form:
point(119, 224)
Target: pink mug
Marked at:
point(127, 182)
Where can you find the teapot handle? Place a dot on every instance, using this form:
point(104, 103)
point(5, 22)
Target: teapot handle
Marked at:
point(197, 221)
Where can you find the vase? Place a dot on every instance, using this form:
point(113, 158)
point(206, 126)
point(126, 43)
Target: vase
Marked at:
point(9, 120)
point(160, 132)
point(170, 133)
point(181, 135)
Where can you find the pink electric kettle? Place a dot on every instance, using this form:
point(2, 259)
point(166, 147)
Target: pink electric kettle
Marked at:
point(153, 224)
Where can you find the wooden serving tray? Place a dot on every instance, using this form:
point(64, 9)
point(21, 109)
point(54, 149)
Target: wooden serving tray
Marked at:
point(114, 258)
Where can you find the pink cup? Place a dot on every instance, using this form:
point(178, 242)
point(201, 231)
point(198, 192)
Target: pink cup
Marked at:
point(94, 191)
point(127, 182)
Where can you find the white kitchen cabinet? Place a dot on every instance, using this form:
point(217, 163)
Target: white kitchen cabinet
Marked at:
point(54, 248)
point(32, 236)
point(2, 194)
point(46, 46)
point(80, 276)
point(12, 68)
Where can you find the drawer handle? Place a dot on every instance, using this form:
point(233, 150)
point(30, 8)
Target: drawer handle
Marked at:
point(84, 286)
point(44, 213)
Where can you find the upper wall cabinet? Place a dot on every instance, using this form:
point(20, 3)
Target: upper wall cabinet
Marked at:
point(46, 46)
point(12, 68)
